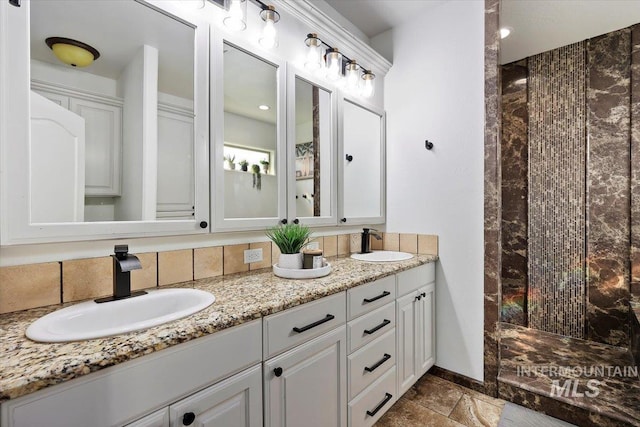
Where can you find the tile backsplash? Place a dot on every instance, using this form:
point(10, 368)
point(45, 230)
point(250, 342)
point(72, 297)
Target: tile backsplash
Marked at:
point(37, 285)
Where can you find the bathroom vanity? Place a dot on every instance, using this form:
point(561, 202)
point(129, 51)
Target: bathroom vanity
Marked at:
point(333, 351)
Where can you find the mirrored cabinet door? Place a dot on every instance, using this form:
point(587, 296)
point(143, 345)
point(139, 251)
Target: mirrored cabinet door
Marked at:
point(362, 160)
point(113, 146)
point(312, 144)
point(249, 161)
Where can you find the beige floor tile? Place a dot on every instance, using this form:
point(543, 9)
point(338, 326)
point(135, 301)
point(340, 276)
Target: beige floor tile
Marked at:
point(406, 413)
point(29, 286)
point(391, 242)
point(175, 266)
point(87, 278)
point(266, 255)
point(474, 412)
point(435, 395)
point(427, 244)
point(234, 259)
point(147, 276)
point(207, 262)
point(444, 383)
point(330, 246)
point(409, 243)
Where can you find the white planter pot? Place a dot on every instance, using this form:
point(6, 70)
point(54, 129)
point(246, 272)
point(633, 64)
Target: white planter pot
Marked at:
point(290, 261)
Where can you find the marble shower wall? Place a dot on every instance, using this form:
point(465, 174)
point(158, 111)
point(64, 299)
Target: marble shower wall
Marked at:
point(608, 187)
point(603, 108)
point(514, 164)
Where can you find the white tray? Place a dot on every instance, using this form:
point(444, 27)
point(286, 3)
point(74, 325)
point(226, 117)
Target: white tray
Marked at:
point(302, 273)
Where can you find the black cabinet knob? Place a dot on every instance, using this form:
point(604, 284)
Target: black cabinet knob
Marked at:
point(343, 220)
point(296, 221)
point(188, 418)
point(204, 224)
point(277, 371)
point(418, 298)
point(283, 221)
point(349, 157)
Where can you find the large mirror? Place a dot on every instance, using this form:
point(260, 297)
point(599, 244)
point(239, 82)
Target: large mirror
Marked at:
point(248, 160)
point(133, 156)
point(313, 150)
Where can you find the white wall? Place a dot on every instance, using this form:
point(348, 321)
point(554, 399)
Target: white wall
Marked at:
point(435, 91)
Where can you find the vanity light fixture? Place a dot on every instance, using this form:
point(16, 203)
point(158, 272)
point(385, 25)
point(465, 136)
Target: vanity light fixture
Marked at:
point(236, 19)
point(72, 52)
point(339, 68)
point(269, 37)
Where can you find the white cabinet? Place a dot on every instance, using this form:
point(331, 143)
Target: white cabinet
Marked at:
point(159, 418)
point(415, 325)
point(176, 175)
point(235, 402)
point(361, 131)
point(103, 136)
point(306, 386)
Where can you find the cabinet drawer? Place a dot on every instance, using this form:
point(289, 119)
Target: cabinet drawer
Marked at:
point(410, 280)
point(285, 330)
point(370, 362)
point(372, 403)
point(365, 298)
point(370, 326)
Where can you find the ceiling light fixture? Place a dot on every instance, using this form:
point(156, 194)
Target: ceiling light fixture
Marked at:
point(72, 52)
point(339, 68)
point(236, 20)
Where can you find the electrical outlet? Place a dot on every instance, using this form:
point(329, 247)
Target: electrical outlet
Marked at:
point(252, 255)
point(313, 245)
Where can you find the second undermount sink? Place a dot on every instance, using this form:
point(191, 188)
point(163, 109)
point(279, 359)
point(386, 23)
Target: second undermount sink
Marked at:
point(89, 320)
point(383, 256)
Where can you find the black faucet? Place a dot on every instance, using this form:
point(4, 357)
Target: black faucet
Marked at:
point(123, 264)
point(365, 243)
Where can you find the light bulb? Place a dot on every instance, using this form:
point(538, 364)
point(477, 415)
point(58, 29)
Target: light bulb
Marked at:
point(368, 84)
point(269, 37)
point(334, 64)
point(236, 18)
point(352, 77)
point(313, 60)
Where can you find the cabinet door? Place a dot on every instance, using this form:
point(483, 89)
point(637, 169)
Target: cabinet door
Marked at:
point(61, 100)
point(235, 402)
point(425, 330)
point(103, 140)
point(175, 165)
point(306, 386)
point(362, 159)
point(406, 332)
point(156, 419)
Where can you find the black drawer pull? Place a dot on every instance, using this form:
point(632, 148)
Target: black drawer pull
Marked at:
point(314, 324)
point(377, 328)
point(382, 295)
point(387, 398)
point(188, 418)
point(377, 365)
point(277, 371)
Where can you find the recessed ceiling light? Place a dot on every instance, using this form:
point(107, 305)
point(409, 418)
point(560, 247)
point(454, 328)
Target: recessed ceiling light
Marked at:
point(505, 31)
point(264, 107)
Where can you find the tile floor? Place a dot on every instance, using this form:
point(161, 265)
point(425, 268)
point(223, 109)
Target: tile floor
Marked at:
point(433, 401)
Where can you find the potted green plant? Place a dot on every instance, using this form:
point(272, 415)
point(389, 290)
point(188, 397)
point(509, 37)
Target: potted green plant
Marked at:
point(244, 165)
point(290, 239)
point(257, 178)
point(231, 161)
point(265, 165)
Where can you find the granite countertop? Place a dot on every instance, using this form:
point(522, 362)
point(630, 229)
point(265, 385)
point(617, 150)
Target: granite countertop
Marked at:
point(27, 366)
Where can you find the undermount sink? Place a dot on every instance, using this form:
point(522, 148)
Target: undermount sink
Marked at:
point(383, 256)
point(89, 319)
